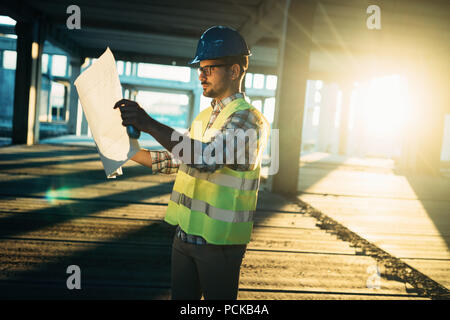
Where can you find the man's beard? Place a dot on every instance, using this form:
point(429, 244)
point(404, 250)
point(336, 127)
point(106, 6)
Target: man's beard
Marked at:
point(211, 93)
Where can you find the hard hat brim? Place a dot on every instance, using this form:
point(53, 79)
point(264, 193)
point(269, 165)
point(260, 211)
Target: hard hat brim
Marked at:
point(198, 59)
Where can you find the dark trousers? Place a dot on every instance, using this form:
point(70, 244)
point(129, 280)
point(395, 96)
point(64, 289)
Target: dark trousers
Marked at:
point(208, 270)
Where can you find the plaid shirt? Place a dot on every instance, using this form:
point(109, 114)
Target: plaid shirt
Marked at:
point(165, 162)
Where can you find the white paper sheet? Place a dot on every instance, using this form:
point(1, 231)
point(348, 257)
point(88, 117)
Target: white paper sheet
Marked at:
point(99, 89)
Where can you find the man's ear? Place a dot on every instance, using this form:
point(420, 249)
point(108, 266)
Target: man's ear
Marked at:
point(235, 71)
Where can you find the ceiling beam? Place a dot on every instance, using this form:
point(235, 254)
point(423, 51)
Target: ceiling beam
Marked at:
point(20, 11)
point(166, 60)
point(264, 23)
point(138, 57)
point(60, 39)
point(7, 29)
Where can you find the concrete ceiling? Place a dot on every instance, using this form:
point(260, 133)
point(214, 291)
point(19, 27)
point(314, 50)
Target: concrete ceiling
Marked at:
point(167, 31)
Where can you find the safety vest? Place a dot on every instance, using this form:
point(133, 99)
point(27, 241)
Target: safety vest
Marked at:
point(219, 205)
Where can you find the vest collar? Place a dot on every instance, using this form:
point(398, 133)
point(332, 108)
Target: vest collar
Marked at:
point(219, 105)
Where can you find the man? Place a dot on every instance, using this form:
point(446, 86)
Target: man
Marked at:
point(218, 170)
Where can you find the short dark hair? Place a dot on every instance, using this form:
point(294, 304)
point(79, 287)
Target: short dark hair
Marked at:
point(242, 61)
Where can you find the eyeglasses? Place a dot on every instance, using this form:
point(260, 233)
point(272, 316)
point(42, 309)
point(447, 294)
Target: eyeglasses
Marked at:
point(206, 70)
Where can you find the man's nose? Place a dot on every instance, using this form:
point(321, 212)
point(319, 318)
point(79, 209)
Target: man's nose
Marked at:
point(202, 76)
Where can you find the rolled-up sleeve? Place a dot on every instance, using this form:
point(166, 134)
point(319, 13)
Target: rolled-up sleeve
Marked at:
point(164, 162)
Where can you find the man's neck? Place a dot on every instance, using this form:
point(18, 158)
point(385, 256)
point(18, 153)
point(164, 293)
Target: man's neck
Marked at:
point(226, 95)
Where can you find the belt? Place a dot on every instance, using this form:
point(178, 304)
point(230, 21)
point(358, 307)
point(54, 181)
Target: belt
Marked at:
point(189, 238)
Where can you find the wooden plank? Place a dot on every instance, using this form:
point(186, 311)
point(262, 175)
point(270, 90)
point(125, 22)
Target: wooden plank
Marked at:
point(438, 270)
point(311, 272)
point(244, 295)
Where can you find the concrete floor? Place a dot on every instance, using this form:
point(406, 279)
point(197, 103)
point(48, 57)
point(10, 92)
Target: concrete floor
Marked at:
point(58, 209)
point(405, 215)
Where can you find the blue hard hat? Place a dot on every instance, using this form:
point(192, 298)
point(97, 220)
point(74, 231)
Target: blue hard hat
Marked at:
point(218, 42)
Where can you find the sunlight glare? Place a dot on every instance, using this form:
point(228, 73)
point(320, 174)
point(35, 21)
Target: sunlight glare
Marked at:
point(385, 105)
point(53, 194)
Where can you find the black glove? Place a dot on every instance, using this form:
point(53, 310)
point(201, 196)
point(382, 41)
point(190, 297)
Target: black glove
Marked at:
point(133, 115)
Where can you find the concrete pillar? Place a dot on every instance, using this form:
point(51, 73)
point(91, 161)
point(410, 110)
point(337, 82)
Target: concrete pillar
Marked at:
point(291, 90)
point(422, 145)
point(346, 88)
point(326, 121)
point(424, 59)
point(134, 69)
point(30, 44)
point(75, 67)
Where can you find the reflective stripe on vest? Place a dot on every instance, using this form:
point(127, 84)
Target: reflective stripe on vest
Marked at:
point(216, 195)
point(214, 213)
point(221, 179)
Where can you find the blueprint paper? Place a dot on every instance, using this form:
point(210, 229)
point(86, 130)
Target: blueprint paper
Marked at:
point(99, 89)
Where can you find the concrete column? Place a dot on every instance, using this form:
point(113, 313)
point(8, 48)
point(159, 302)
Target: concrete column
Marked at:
point(134, 69)
point(326, 122)
point(422, 145)
point(291, 90)
point(75, 67)
point(346, 88)
point(424, 60)
point(30, 44)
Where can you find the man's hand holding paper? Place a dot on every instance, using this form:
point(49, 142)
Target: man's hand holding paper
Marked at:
point(133, 115)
